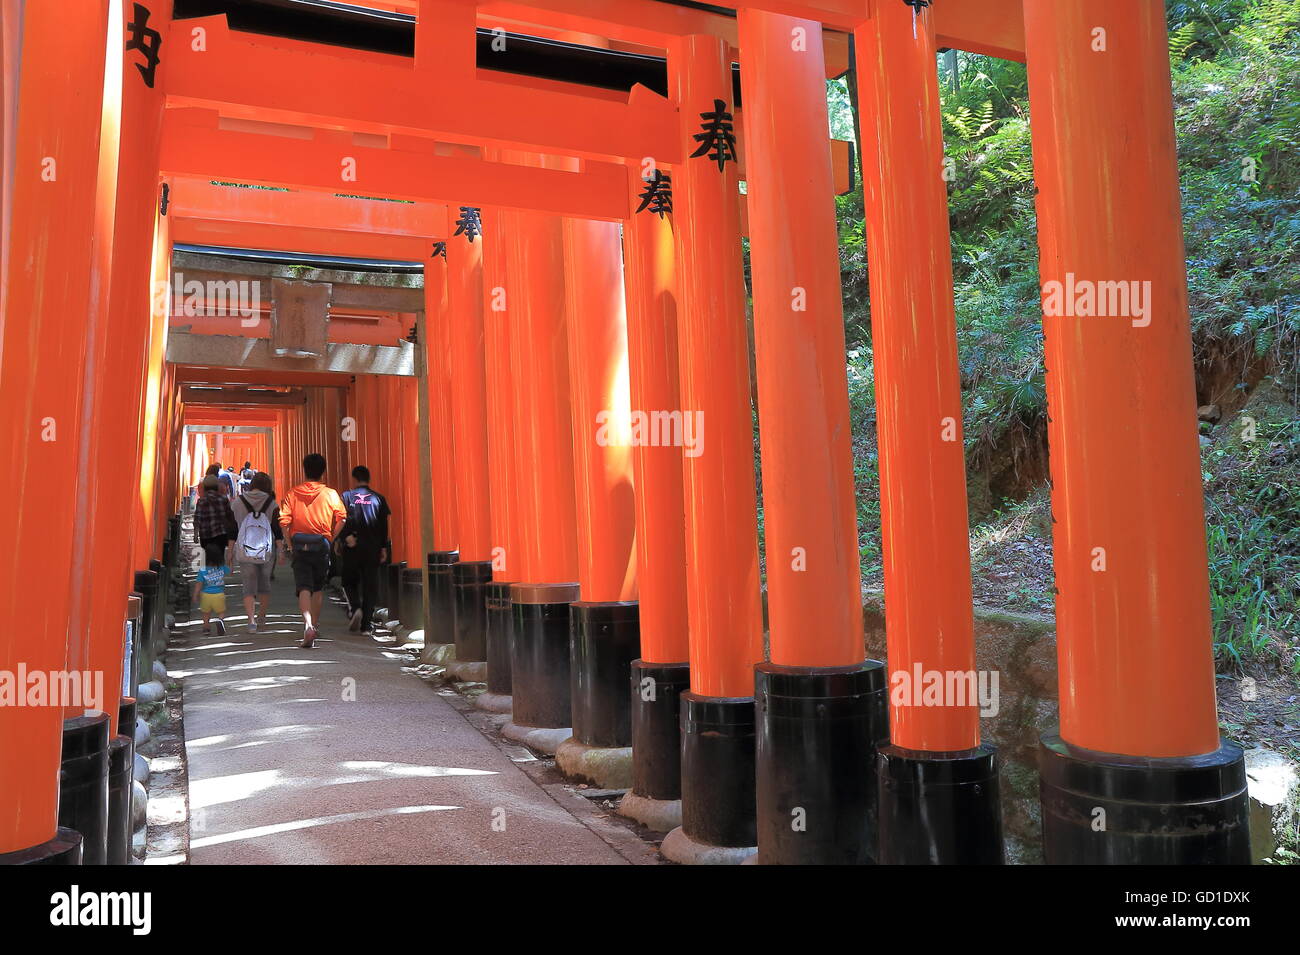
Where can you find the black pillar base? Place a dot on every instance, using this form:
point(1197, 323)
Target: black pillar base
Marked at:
point(500, 636)
point(818, 730)
point(469, 583)
point(135, 617)
point(393, 581)
point(63, 849)
point(718, 770)
point(540, 662)
point(1108, 809)
point(146, 585)
point(440, 627)
point(412, 597)
point(159, 629)
point(126, 716)
point(939, 808)
point(604, 639)
point(656, 708)
point(383, 599)
point(121, 773)
point(83, 784)
point(120, 776)
point(171, 543)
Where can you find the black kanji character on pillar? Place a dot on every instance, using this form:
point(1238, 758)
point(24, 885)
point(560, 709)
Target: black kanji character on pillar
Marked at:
point(658, 195)
point(717, 136)
point(439, 249)
point(917, 5)
point(414, 335)
point(145, 40)
point(469, 225)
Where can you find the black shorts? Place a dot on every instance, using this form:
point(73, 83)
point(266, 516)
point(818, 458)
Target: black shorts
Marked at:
point(310, 569)
point(221, 540)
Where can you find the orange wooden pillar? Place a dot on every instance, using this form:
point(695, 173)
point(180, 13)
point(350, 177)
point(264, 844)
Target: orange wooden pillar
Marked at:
point(146, 526)
point(436, 346)
point(938, 784)
point(723, 605)
point(165, 499)
point(355, 431)
point(820, 707)
point(333, 411)
point(350, 437)
point(65, 87)
point(298, 446)
point(502, 478)
point(606, 631)
point(286, 471)
point(662, 672)
point(1138, 741)
point(413, 545)
point(548, 548)
point(96, 632)
point(388, 431)
point(96, 621)
point(398, 425)
point(409, 582)
point(291, 473)
point(473, 570)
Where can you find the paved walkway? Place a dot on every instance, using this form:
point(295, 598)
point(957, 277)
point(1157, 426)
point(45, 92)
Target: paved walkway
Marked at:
point(336, 755)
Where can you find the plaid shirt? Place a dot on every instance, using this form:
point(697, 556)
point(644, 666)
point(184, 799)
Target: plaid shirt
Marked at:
point(213, 516)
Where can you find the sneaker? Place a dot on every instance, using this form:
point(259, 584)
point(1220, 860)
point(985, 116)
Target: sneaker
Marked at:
point(252, 626)
point(354, 622)
point(221, 627)
point(308, 638)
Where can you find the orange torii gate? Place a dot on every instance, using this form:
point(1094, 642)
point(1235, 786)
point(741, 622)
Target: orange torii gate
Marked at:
point(546, 498)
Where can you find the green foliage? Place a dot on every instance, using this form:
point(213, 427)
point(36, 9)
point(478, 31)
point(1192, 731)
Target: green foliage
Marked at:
point(1237, 102)
point(1239, 127)
point(995, 251)
point(1253, 515)
point(866, 468)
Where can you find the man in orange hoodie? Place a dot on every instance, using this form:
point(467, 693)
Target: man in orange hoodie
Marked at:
point(311, 515)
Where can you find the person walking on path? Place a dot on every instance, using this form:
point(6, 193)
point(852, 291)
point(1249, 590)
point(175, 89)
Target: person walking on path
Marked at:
point(311, 514)
point(227, 478)
point(362, 545)
point(210, 589)
point(257, 545)
point(214, 522)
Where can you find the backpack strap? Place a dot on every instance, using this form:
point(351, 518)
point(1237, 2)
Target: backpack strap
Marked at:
point(252, 510)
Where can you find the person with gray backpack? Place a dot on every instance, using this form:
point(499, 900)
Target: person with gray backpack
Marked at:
point(257, 545)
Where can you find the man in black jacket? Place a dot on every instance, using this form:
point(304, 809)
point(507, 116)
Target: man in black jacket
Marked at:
point(362, 546)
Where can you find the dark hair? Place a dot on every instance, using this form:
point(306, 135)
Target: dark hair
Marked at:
point(313, 465)
point(247, 465)
point(361, 473)
point(214, 469)
point(262, 482)
point(214, 554)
